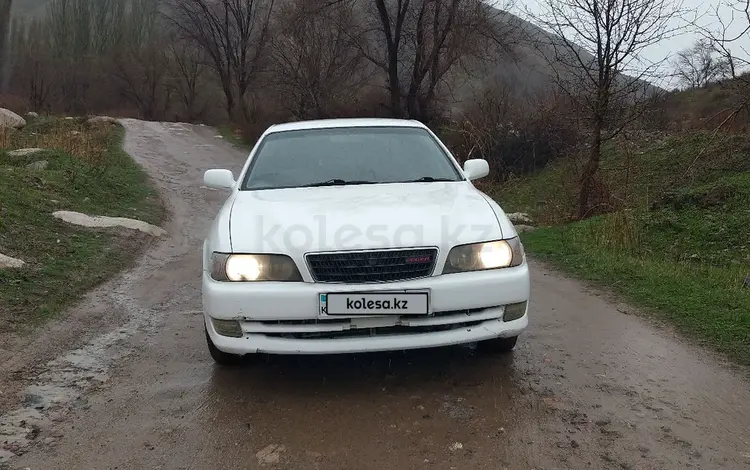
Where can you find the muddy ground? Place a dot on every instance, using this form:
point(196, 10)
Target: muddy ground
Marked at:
point(125, 381)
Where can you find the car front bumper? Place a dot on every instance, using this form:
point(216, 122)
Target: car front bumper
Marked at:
point(284, 318)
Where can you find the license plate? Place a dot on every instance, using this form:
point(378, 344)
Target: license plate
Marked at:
point(375, 303)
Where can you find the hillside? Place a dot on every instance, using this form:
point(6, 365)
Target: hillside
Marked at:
point(674, 235)
point(527, 71)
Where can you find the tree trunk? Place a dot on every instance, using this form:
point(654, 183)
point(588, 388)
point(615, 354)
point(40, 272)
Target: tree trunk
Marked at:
point(394, 86)
point(5, 6)
point(590, 170)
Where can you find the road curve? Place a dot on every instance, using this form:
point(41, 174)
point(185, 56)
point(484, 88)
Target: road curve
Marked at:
point(126, 382)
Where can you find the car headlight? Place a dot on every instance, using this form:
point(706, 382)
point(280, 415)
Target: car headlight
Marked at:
point(236, 267)
point(481, 256)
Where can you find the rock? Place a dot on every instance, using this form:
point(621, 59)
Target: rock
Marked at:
point(746, 283)
point(38, 166)
point(8, 262)
point(270, 455)
point(102, 119)
point(32, 114)
point(455, 446)
point(524, 228)
point(10, 119)
point(76, 218)
point(519, 218)
point(69, 118)
point(24, 152)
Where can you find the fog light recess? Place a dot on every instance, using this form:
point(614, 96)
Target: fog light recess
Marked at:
point(229, 328)
point(514, 311)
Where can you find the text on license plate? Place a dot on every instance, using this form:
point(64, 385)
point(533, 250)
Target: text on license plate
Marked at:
point(381, 303)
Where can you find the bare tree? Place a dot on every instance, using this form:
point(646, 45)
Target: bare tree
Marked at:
point(140, 62)
point(5, 7)
point(700, 65)
point(233, 34)
point(32, 62)
point(187, 67)
point(417, 43)
point(726, 37)
point(316, 62)
point(595, 50)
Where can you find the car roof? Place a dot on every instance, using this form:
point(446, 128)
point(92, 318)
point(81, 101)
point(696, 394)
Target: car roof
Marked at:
point(345, 122)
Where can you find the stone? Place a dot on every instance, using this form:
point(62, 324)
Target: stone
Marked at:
point(8, 262)
point(102, 119)
point(270, 454)
point(32, 114)
point(456, 446)
point(76, 218)
point(24, 152)
point(519, 218)
point(10, 119)
point(524, 228)
point(38, 166)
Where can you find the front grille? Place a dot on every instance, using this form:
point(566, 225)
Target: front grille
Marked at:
point(353, 267)
point(379, 331)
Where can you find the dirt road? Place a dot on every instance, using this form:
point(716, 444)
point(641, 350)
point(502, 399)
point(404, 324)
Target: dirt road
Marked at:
point(126, 382)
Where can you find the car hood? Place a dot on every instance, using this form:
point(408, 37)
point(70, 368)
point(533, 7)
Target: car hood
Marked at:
point(303, 220)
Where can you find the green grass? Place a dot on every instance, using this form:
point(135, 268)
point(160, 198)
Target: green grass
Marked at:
point(233, 136)
point(681, 253)
point(88, 172)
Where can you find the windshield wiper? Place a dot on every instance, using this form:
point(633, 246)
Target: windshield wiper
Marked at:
point(428, 179)
point(337, 182)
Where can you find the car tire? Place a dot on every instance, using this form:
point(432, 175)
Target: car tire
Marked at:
point(220, 357)
point(498, 345)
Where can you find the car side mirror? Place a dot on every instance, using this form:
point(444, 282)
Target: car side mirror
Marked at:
point(219, 179)
point(476, 168)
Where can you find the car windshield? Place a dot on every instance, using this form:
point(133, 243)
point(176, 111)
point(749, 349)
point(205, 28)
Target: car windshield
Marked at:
point(353, 155)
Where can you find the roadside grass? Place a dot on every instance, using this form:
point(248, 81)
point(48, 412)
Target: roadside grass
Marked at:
point(680, 244)
point(89, 172)
point(233, 136)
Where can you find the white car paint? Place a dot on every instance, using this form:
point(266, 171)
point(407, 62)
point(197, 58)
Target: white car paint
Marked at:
point(300, 221)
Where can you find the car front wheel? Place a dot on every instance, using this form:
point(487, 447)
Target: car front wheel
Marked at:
point(220, 357)
point(498, 345)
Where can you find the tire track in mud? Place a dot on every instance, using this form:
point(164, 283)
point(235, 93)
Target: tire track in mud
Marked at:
point(61, 384)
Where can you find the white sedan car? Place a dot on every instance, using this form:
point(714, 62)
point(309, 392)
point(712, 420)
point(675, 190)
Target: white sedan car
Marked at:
point(356, 235)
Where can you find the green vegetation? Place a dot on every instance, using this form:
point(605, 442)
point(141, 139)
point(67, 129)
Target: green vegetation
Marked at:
point(233, 136)
point(88, 172)
point(675, 237)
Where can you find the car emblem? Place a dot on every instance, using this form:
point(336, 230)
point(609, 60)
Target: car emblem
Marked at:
point(418, 259)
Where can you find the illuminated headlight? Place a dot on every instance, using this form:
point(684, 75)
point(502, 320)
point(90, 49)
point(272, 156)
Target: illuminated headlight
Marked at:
point(481, 256)
point(251, 268)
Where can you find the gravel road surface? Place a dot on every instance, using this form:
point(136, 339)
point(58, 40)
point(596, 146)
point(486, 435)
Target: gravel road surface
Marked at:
point(125, 380)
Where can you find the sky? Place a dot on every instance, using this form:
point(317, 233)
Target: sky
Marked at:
point(704, 10)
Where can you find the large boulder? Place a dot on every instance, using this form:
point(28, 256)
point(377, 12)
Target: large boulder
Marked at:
point(102, 119)
point(100, 221)
point(24, 152)
point(8, 262)
point(519, 218)
point(10, 119)
point(38, 166)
